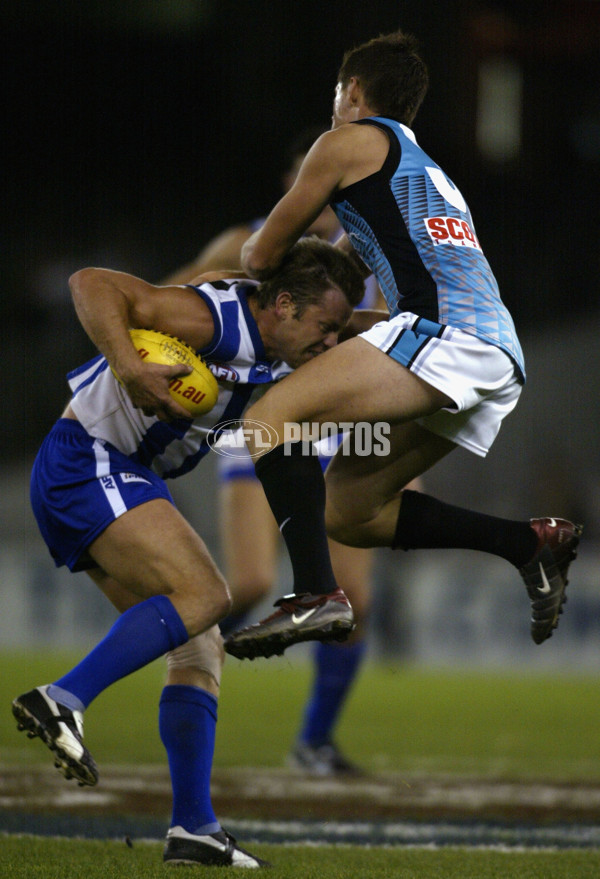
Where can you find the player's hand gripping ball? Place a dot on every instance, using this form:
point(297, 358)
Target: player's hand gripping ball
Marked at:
point(196, 392)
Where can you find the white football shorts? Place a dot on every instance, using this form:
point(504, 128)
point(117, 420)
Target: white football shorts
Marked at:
point(480, 377)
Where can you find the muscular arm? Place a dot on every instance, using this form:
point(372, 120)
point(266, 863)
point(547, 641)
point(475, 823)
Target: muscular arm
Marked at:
point(336, 160)
point(317, 179)
point(108, 303)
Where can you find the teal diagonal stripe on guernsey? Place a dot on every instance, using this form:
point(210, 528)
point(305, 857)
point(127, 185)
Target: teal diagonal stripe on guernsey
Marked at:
point(364, 241)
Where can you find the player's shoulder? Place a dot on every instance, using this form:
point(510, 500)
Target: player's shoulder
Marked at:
point(354, 151)
point(219, 289)
point(349, 133)
point(352, 142)
point(220, 286)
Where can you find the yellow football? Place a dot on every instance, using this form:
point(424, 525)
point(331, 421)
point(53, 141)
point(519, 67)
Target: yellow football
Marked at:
point(196, 392)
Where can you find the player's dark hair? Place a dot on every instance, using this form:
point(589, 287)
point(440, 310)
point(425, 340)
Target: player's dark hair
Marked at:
point(310, 268)
point(391, 73)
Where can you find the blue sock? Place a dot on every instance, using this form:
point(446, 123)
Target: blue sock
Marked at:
point(336, 669)
point(140, 635)
point(187, 722)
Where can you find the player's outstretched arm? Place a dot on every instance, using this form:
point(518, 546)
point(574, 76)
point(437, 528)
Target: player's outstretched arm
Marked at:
point(317, 180)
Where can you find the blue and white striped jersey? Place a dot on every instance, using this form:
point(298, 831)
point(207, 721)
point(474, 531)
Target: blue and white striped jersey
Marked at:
point(413, 228)
point(235, 356)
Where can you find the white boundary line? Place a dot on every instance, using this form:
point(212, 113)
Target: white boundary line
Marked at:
point(431, 835)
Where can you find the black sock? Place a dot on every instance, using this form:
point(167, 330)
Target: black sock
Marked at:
point(293, 481)
point(426, 523)
point(232, 622)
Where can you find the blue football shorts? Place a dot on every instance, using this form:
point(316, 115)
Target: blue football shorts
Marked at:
point(79, 485)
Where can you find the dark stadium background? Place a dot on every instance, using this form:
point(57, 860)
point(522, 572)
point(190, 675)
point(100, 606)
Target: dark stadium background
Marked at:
point(133, 131)
point(136, 129)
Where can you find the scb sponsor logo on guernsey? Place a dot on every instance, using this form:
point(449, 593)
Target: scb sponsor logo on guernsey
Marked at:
point(230, 438)
point(451, 230)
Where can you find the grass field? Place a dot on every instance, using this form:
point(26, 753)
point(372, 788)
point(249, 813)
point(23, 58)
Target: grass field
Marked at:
point(400, 719)
point(489, 723)
point(77, 859)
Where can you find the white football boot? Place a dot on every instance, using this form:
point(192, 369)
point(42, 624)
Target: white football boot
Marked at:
point(215, 849)
point(60, 729)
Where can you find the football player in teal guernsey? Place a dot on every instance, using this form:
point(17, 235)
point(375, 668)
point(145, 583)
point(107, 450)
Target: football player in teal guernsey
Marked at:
point(249, 536)
point(442, 372)
point(100, 498)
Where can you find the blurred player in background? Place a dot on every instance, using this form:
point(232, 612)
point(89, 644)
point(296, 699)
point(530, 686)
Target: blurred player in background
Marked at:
point(100, 498)
point(443, 372)
point(249, 535)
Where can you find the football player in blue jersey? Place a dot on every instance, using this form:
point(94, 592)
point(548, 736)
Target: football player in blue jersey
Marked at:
point(99, 494)
point(442, 372)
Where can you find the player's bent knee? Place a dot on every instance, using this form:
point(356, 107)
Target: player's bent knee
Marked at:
point(203, 653)
point(343, 529)
point(200, 607)
point(347, 515)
